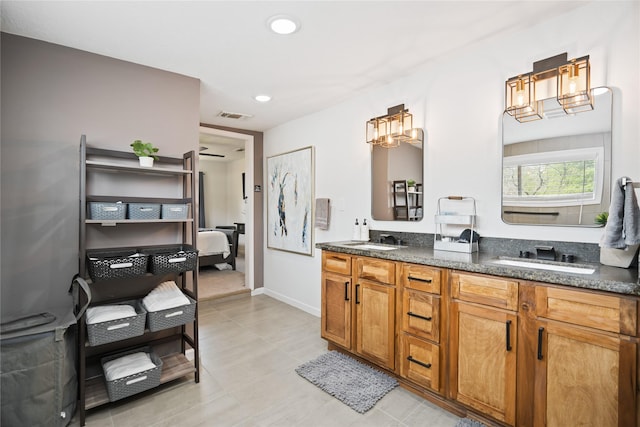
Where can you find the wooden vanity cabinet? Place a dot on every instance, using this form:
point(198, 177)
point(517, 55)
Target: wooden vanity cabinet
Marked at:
point(483, 338)
point(358, 306)
point(419, 320)
point(520, 353)
point(585, 359)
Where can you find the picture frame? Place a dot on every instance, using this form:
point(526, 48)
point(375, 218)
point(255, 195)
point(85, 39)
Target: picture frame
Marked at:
point(290, 195)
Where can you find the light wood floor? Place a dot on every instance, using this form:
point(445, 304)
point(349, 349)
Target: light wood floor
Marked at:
point(249, 348)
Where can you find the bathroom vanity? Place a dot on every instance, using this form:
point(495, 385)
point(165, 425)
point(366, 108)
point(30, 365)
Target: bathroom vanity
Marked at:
point(503, 343)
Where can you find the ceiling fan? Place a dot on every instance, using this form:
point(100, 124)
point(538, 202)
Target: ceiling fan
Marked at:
point(207, 154)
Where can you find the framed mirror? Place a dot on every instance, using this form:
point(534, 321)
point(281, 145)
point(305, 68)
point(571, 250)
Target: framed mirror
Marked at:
point(393, 170)
point(557, 170)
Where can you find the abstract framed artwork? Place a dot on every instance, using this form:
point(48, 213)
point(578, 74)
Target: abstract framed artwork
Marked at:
point(290, 191)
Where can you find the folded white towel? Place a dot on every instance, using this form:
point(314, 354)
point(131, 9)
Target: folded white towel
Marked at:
point(127, 365)
point(166, 295)
point(105, 313)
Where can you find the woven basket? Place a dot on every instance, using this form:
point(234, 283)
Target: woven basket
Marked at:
point(174, 259)
point(137, 383)
point(107, 211)
point(105, 265)
point(174, 211)
point(171, 317)
point(144, 211)
point(118, 329)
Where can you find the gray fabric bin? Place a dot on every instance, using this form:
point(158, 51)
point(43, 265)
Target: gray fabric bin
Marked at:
point(174, 211)
point(144, 211)
point(136, 383)
point(39, 385)
point(107, 211)
point(118, 329)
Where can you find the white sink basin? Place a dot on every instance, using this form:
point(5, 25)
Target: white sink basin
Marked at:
point(375, 247)
point(542, 266)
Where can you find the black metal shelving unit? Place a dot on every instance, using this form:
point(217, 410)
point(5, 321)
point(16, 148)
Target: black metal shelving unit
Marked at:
point(178, 346)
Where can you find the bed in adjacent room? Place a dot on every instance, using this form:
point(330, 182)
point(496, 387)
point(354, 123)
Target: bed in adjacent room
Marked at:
point(217, 247)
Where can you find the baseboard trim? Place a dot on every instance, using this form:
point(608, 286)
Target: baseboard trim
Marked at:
point(292, 302)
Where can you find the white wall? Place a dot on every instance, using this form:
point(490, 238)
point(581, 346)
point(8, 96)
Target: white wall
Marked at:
point(459, 101)
point(223, 191)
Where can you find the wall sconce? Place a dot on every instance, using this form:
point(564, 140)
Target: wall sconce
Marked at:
point(569, 81)
point(393, 128)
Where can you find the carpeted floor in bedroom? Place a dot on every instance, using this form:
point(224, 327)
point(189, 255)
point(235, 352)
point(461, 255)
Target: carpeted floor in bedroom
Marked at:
point(214, 283)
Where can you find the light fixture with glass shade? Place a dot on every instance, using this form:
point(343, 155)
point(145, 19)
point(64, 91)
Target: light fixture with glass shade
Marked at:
point(568, 81)
point(574, 86)
point(393, 128)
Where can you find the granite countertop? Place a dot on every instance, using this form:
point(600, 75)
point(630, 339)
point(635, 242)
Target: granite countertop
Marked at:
point(605, 278)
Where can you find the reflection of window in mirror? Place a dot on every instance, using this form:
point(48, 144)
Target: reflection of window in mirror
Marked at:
point(557, 171)
point(391, 168)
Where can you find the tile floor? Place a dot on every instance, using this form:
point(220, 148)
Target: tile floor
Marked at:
point(249, 348)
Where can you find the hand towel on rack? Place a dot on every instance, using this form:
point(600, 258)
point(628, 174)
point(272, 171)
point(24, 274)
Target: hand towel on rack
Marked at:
point(322, 214)
point(623, 224)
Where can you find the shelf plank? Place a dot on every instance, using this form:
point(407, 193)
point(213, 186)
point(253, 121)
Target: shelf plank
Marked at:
point(111, 223)
point(174, 366)
point(134, 199)
point(94, 164)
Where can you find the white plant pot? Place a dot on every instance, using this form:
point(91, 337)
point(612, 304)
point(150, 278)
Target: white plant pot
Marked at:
point(146, 162)
point(618, 257)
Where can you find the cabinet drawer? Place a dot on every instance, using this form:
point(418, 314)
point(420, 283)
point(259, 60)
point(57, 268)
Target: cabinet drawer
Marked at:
point(421, 314)
point(604, 312)
point(421, 278)
point(420, 362)
point(376, 269)
point(487, 290)
point(336, 263)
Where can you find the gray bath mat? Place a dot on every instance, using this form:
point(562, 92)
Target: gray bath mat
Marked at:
point(353, 383)
point(467, 422)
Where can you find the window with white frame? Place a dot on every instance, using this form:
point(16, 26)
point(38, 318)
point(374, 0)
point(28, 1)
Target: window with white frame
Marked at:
point(554, 178)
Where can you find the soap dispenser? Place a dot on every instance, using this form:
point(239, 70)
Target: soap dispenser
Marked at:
point(356, 231)
point(364, 231)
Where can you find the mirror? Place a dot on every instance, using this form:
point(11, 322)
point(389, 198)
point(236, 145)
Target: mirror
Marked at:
point(392, 170)
point(557, 170)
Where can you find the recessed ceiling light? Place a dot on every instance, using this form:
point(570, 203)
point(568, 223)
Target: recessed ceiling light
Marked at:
point(283, 24)
point(262, 98)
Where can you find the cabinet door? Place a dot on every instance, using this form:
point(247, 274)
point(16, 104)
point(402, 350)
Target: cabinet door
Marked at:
point(583, 377)
point(421, 314)
point(336, 309)
point(483, 359)
point(420, 362)
point(375, 327)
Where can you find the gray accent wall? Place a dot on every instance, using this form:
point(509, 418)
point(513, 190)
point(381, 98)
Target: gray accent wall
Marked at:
point(51, 95)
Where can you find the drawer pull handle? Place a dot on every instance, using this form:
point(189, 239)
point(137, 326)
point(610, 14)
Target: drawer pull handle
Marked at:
point(357, 288)
point(540, 332)
point(346, 291)
point(418, 316)
point(508, 335)
point(426, 365)
point(419, 279)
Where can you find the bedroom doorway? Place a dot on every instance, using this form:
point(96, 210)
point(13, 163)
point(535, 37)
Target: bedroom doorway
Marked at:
point(226, 166)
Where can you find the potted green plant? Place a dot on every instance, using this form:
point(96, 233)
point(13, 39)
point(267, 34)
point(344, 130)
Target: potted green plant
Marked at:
point(145, 152)
point(602, 218)
point(411, 185)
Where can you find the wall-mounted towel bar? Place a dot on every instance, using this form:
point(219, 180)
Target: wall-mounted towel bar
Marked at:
point(625, 181)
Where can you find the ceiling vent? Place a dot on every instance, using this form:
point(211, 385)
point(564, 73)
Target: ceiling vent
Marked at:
point(235, 116)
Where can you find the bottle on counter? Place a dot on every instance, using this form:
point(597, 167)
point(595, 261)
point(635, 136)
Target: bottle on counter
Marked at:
point(356, 231)
point(364, 231)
